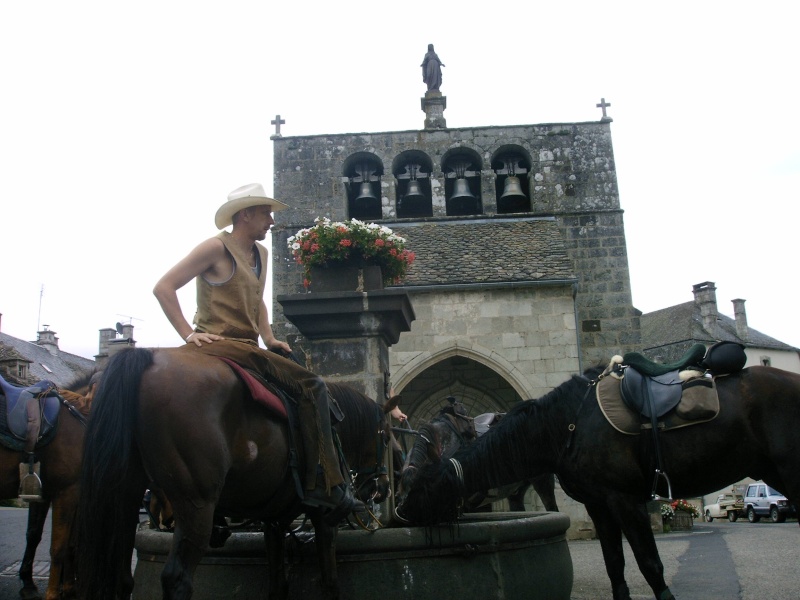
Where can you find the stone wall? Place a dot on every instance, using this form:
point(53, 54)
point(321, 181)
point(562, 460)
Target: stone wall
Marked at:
point(526, 334)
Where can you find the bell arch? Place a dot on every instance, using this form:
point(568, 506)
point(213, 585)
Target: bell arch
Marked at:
point(462, 181)
point(412, 170)
point(512, 165)
point(362, 173)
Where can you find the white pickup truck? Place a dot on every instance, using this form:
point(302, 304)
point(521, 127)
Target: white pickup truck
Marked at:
point(727, 505)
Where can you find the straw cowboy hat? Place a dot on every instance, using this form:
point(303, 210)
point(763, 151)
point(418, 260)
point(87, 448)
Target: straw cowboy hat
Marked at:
point(252, 194)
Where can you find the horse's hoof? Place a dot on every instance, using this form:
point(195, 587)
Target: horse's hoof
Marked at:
point(29, 593)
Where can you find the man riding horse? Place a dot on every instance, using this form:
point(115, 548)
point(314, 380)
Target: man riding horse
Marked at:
point(230, 270)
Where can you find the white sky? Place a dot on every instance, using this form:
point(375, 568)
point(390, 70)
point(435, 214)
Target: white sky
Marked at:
point(123, 126)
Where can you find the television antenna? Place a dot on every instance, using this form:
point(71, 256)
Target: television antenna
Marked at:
point(129, 321)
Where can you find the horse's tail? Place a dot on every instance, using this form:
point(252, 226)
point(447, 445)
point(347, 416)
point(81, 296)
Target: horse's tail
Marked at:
point(111, 480)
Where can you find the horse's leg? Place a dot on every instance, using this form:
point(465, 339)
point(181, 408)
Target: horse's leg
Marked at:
point(516, 500)
point(189, 544)
point(610, 536)
point(274, 540)
point(545, 486)
point(325, 540)
point(62, 555)
point(635, 523)
point(37, 515)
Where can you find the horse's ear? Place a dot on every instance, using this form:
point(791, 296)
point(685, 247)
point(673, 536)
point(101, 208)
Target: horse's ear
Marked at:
point(391, 404)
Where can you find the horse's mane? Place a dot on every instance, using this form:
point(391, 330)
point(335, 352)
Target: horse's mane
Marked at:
point(76, 390)
point(363, 413)
point(510, 451)
point(517, 442)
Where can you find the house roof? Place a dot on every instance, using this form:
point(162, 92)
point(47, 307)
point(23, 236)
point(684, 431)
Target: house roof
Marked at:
point(61, 367)
point(682, 323)
point(485, 251)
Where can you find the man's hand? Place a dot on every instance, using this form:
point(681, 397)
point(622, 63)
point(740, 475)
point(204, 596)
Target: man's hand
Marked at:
point(198, 338)
point(278, 346)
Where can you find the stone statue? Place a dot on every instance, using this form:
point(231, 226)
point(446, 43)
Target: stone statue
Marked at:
point(432, 69)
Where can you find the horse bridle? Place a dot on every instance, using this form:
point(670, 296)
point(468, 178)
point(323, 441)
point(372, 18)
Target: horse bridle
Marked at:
point(381, 442)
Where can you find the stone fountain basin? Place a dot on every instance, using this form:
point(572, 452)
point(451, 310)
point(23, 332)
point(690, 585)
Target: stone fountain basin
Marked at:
point(492, 555)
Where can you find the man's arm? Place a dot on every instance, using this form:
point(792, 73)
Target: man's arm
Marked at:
point(208, 257)
point(265, 330)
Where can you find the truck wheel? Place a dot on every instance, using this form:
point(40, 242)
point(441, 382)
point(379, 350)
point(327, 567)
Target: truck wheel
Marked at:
point(732, 516)
point(709, 518)
point(776, 515)
point(752, 516)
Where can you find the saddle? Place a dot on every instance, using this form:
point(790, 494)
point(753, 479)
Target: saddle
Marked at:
point(485, 421)
point(14, 415)
point(259, 389)
point(665, 396)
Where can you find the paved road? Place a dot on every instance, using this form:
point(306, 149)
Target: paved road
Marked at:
point(715, 561)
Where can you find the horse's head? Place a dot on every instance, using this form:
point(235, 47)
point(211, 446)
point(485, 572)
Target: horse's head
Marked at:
point(371, 474)
point(436, 440)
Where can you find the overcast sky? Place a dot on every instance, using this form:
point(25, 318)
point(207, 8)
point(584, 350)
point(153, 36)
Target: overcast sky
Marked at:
point(123, 126)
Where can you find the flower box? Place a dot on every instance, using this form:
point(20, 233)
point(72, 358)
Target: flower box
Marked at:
point(681, 521)
point(351, 244)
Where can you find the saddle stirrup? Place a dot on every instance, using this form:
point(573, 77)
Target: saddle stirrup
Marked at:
point(655, 495)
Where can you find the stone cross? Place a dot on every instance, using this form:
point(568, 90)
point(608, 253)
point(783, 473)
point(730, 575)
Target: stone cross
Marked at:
point(277, 121)
point(603, 104)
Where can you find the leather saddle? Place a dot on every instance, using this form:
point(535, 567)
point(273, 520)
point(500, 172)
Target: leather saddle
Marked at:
point(653, 389)
point(14, 414)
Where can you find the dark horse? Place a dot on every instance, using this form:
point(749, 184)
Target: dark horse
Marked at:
point(177, 422)
point(365, 454)
point(754, 434)
point(60, 473)
point(452, 429)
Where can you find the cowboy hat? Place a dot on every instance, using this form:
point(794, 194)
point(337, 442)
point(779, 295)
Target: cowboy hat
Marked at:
point(252, 194)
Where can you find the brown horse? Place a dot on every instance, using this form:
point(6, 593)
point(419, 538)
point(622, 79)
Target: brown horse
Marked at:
point(443, 435)
point(364, 433)
point(60, 473)
point(178, 421)
point(611, 473)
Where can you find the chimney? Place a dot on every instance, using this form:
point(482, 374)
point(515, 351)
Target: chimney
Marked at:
point(47, 339)
point(705, 296)
point(127, 331)
point(106, 335)
point(741, 319)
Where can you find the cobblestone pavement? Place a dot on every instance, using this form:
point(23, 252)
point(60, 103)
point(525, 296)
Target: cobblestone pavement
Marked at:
point(714, 561)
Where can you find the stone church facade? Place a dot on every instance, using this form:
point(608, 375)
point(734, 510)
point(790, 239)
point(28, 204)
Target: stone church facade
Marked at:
point(521, 274)
point(527, 291)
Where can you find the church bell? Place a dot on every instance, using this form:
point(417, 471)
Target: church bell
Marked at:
point(512, 188)
point(414, 191)
point(461, 189)
point(365, 192)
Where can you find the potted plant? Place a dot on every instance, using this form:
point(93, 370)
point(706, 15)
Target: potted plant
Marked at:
point(352, 245)
point(667, 513)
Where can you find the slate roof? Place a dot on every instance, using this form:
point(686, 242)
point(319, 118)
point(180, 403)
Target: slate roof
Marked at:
point(485, 251)
point(683, 322)
point(64, 367)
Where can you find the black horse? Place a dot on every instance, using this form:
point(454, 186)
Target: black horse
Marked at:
point(565, 432)
point(451, 429)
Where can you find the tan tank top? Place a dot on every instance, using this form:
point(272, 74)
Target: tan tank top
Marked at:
point(231, 308)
